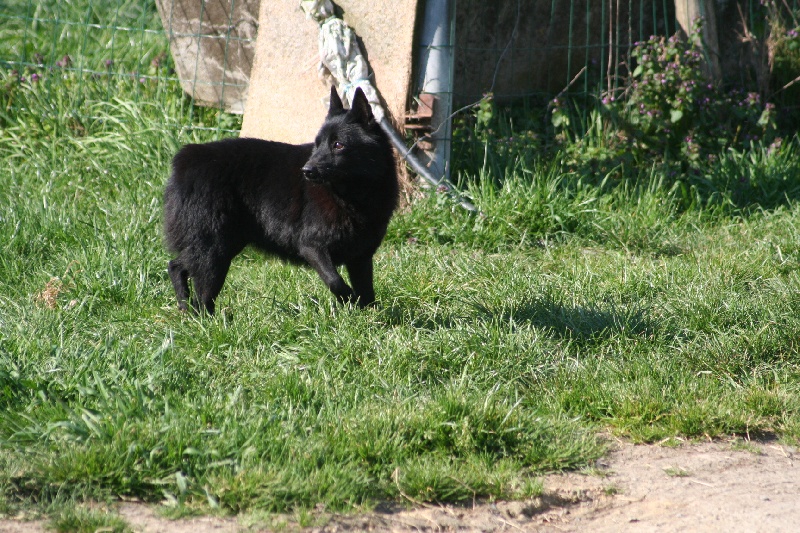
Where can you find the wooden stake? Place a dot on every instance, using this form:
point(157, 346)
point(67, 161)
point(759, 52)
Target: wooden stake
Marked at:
point(687, 12)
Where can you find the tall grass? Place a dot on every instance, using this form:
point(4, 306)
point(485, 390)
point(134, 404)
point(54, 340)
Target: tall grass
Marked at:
point(504, 344)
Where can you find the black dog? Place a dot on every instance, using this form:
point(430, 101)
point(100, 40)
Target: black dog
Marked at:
point(325, 204)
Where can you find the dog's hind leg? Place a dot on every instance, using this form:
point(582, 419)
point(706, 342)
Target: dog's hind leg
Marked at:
point(208, 281)
point(180, 281)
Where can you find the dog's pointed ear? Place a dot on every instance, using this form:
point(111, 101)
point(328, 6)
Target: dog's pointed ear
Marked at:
point(360, 110)
point(336, 106)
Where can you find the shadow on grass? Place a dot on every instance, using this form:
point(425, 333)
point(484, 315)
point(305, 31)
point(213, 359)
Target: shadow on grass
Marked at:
point(581, 323)
point(590, 324)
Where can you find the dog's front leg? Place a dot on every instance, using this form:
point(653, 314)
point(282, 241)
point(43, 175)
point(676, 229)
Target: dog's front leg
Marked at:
point(320, 260)
point(360, 271)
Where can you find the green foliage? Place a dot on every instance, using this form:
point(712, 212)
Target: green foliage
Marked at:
point(668, 122)
point(779, 36)
point(670, 110)
point(668, 114)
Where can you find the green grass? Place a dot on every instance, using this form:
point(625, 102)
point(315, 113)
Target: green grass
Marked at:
point(503, 347)
point(82, 520)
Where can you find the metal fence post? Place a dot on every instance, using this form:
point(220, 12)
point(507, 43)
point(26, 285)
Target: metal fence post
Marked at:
point(436, 78)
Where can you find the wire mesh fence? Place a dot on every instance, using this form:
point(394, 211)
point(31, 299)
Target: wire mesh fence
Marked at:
point(517, 49)
point(534, 48)
point(83, 52)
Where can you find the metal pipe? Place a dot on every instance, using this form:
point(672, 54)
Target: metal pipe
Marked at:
point(421, 169)
point(435, 67)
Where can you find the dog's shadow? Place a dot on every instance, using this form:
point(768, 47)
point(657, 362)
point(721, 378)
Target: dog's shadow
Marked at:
point(583, 323)
point(573, 322)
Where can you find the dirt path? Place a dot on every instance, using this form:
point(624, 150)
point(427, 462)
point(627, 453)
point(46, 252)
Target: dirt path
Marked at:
point(701, 487)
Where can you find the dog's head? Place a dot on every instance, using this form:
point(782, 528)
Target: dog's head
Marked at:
point(348, 143)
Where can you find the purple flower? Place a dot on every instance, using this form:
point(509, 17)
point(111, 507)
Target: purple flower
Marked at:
point(34, 77)
point(751, 99)
point(109, 63)
point(64, 62)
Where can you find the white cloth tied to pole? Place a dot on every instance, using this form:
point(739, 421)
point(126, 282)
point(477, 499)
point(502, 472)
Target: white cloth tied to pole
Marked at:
point(341, 57)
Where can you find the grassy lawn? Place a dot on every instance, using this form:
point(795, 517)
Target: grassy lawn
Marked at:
point(504, 345)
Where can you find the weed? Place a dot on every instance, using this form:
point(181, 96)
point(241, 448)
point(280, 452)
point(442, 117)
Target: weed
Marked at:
point(744, 445)
point(85, 520)
point(676, 471)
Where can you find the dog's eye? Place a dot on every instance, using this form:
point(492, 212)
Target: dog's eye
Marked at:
point(338, 146)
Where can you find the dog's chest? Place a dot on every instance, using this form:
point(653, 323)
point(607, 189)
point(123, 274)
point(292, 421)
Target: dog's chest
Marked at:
point(326, 210)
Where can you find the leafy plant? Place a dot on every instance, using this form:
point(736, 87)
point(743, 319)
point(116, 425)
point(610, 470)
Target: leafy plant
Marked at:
point(783, 49)
point(670, 110)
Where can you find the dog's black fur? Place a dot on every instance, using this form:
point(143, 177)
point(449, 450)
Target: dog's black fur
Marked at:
point(325, 204)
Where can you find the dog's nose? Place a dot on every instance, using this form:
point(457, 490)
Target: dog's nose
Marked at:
point(309, 172)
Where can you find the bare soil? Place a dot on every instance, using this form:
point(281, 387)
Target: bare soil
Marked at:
point(717, 486)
